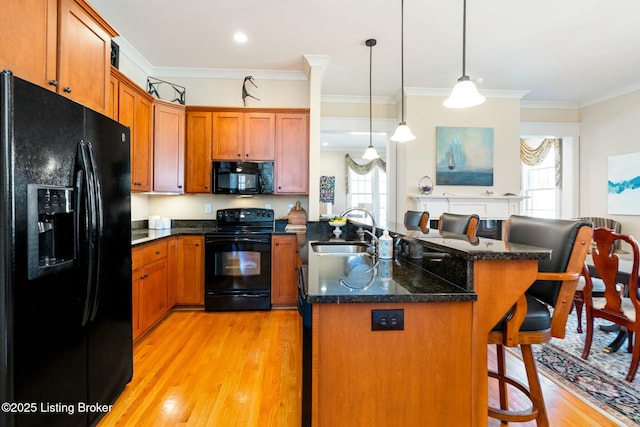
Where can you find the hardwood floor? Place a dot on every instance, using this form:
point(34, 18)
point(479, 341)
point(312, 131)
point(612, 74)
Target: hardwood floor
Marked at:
point(243, 369)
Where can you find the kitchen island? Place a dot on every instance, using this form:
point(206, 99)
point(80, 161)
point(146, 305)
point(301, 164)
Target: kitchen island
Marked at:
point(408, 346)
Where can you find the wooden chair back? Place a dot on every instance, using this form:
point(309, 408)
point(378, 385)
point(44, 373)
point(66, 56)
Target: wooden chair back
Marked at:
point(622, 308)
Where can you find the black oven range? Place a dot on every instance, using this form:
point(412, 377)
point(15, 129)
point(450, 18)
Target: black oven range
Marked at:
point(238, 260)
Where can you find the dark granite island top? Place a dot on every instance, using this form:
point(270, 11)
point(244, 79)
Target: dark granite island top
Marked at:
point(430, 267)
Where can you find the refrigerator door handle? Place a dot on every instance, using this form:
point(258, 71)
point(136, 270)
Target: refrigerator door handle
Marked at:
point(98, 232)
point(86, 195)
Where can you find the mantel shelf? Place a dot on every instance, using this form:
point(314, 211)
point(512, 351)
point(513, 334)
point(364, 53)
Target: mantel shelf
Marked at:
point(487, 207)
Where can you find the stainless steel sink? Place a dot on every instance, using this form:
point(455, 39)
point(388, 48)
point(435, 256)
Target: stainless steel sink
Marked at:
point(339, 248)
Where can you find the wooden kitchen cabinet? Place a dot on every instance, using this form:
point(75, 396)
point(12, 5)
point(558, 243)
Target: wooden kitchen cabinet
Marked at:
point(150, 285)
point(135, 109)
point(285, 261)
point(239, 136)
point(198, 152)
point(168, 147)
point(292, 153)
point(61, 45)
point(190, 282)
point(172, 271)
point(259, 136)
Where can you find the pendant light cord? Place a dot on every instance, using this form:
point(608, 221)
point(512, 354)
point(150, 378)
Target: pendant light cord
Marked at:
point(402, 56)
point(371, 43)
point(464, 37)
point(370, 96)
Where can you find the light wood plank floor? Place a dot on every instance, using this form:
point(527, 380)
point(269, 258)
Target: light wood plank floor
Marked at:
point(243, 369)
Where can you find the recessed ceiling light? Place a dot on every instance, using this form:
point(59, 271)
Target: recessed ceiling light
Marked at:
point(240, 37)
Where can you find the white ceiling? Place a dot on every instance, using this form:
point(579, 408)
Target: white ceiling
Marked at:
point(567, 52)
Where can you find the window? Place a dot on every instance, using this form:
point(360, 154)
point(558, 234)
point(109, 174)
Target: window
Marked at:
point(539, 183)
point(368, 189)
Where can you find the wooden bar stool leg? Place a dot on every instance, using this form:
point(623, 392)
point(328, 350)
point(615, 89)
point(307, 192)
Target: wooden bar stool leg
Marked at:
point(534, 385)
point(502, 384)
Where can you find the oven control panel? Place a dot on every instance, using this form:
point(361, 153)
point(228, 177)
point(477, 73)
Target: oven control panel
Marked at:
point(243, 215)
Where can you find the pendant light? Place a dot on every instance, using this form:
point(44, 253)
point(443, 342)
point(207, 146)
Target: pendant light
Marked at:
point(371, 152)
point(464, 93)
point(403, 132)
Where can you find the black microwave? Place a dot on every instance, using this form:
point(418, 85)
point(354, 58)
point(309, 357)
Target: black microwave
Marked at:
point(242, 177)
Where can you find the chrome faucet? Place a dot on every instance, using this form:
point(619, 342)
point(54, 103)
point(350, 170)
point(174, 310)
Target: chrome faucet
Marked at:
point(374, 239)
point(374, 226)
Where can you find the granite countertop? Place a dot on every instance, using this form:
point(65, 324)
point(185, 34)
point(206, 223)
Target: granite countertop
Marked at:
point(472, 248)
point(419, 274)
point(144, 235)
point(352, 278)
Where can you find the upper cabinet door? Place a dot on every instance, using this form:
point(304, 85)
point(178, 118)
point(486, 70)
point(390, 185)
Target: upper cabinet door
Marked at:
point(168, 147)
point(259, 136)
point(28, 32)
point(292, 153)
point(84, 58)
point(198, 165)
point(227, 136)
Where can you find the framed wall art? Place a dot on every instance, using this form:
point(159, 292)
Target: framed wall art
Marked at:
point(623, 184)
point(464, 156)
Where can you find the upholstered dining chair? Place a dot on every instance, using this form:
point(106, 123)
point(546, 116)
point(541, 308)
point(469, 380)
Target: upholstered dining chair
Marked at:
point(460, 224)
point(530, 321)
point(621, 308)
point(417, 220)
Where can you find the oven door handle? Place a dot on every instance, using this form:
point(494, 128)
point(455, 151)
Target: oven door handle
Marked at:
point(225, 241)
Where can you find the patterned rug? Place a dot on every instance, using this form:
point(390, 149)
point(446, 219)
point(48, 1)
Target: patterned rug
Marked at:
point(600, 380)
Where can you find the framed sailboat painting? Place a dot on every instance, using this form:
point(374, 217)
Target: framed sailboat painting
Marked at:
point(464, 156)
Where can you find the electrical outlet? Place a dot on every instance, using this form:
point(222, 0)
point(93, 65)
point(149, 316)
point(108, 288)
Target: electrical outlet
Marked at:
point(207, 208)
point(387, 320)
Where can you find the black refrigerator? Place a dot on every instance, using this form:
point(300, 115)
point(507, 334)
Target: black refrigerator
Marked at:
point(66, 349)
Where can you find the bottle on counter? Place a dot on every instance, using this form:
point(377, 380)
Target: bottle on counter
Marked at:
point(386, 245)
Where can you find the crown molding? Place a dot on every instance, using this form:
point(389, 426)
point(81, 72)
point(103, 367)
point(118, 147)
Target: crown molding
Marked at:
point(445, 92)
point(134, 56)
point(228, 73)
point(354, 99)
point(549, 105)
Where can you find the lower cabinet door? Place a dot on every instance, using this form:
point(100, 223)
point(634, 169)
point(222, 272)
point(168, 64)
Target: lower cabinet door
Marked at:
point(285, 259)
point(190, 289)
point(152, 293)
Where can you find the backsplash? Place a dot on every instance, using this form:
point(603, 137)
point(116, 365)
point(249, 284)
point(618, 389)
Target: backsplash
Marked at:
point(193, 206)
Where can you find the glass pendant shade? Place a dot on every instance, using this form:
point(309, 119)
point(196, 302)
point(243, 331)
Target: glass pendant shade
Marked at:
point(464, 95)
point(403, 133)
point(370, 153)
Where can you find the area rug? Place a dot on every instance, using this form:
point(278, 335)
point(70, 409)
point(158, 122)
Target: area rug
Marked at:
point(600, 380)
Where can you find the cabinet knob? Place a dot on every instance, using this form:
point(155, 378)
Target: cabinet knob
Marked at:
point(239, 155)
point(157, 252)
point(67, 89)
point(179, 186)
point(53, 82)
point(197, 245)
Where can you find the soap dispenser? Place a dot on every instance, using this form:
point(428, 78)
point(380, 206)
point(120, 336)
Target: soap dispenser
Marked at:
point(386, 245)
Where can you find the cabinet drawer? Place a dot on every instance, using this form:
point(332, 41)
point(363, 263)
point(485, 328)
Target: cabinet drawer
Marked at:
point(149, 253)
point(137, 257)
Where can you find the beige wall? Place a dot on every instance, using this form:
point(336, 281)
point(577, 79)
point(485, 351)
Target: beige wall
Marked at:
point(608, 128)
point(568, 115)
point(418, 158)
